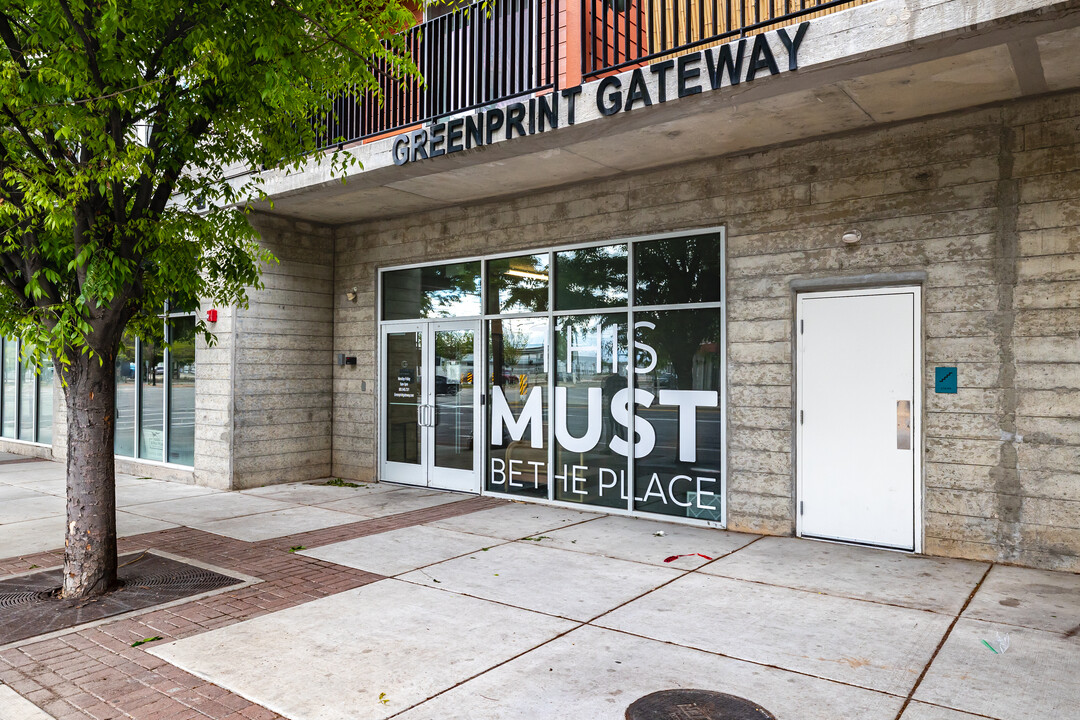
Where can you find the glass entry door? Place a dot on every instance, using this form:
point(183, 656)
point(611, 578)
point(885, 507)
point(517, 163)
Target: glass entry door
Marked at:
point(431, 405)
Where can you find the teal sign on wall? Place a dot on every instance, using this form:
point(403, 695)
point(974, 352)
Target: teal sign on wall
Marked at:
point(945, 380)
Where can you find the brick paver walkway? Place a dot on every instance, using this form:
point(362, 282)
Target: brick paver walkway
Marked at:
point(96, 673)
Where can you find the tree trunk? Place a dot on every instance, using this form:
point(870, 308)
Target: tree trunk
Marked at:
point(90, 542)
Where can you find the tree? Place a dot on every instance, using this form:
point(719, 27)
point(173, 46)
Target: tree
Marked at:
point(120, 120)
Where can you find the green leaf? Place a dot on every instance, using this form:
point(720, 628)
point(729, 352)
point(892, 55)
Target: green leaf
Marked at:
point(137, 643)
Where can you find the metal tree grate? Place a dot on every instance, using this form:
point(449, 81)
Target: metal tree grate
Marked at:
point(32, 606)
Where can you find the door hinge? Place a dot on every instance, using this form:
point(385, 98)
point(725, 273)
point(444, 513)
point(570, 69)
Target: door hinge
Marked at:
point(802, 326)
point(800, 417)
point(801, 508)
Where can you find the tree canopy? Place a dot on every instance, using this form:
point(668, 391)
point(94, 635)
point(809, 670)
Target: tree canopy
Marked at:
point(129, 130)
point(123, 127)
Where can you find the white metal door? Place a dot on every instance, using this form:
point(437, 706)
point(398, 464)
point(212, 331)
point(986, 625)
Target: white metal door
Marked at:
point(858, 418)
point(431, 409)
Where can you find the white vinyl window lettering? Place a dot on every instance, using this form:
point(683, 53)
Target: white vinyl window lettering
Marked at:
point(603, 369)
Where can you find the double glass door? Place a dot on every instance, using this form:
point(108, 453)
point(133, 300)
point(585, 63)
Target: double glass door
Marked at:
point(430, 406)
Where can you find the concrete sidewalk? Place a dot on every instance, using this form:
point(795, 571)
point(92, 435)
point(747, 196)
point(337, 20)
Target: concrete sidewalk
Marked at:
point(419, 605)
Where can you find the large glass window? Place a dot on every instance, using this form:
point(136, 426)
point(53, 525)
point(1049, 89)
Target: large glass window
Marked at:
point(434, 291)
point(26, 395)
point(151, 401)
point(678, 387)
point(672, 271)
point(155, 395)
point(45, 402)
point(611, 392)
point(181, 383)
point(9, 398)
point(591, 278)
point(590, 446)
point(518, 284)
point(27, 387)
point(124, 437)
point(517, 413)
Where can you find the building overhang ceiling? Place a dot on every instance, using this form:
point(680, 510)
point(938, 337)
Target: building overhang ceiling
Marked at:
point(872, 65)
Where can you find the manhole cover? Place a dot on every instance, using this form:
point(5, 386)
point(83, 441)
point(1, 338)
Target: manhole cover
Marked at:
point(695, 705)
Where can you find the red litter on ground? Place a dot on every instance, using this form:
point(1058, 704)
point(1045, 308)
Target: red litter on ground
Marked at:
point(676, 557)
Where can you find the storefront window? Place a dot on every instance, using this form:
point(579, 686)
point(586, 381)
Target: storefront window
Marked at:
point(591, 278)
point(10, 386)
point(597, 398)
point(673, 271)
point(518, 284)
point(590, 384)
point(124, 438)
point(26, 396)
point(26, 401)
point(182, 390)
point(45, 402)
point(678, 384)
point(27, 393)
point(431, 292)
point(517, 412)
point(152, 401)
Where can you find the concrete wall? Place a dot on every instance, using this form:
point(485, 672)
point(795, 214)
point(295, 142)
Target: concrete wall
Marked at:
point(282, 372)
point(213, 405)
point(985, 202)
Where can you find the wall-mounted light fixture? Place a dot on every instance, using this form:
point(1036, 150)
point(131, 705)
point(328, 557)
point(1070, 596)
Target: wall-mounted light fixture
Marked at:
point(852, 237)
point(350, 295)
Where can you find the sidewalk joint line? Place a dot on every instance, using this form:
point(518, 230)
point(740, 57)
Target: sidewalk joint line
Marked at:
point(941, 643)
point(578, 626)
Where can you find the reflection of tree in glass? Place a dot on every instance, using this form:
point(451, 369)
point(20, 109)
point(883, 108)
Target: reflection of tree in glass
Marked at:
point(152, 355)
point(447, 286)
point(435, 291)
point(182, 350)
point(591, 277)
point(510, 287)
point(453, 344)
point(680, 338)
point(674, 271)
point(678, 270)
point(513, 346)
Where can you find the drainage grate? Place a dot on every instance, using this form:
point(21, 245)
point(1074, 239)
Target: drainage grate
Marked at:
point(32, 608)
point(190, 578)
point(11, 599)
point(695, 705)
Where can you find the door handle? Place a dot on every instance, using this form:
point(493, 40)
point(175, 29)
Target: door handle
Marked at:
point(434, 415)
point(903, 424)
point(420, 415)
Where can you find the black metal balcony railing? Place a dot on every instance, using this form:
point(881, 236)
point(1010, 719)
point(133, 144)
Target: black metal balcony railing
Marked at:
point(618, 33)
point(494, 50)
point(484, 53)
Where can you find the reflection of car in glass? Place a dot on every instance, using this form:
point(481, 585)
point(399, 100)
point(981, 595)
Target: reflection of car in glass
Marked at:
point(667, 380)
point(508, 379)
point(444, 387)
